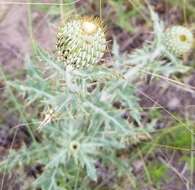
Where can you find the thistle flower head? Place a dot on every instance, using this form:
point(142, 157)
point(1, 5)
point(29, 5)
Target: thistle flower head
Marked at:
point(81, 41)
point(178, 40)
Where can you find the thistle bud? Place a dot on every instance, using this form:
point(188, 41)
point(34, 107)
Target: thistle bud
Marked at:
point(178, 40)
point(81, 41)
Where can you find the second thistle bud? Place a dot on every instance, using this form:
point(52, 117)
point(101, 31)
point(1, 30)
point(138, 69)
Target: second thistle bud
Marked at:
point(81, 41)
point(178, 40)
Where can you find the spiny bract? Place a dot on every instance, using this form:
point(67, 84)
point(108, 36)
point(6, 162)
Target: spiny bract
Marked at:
point(178, 40)
point(81, 41)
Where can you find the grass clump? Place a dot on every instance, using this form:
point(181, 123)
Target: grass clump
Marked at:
point(157, 172)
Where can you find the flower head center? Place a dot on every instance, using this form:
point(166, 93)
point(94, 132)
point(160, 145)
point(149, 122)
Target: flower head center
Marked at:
point(89, 27)
point(74, 146)
point(183, 38)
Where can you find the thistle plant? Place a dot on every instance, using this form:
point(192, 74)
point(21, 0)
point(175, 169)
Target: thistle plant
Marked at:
point(83, 109)
point(160, 56)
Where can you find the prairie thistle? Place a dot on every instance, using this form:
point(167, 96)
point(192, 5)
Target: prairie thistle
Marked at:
point(178, 40)
point(81, 41)
point(92, 115)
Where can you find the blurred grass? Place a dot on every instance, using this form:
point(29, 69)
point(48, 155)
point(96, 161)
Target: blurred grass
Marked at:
point(175, 138)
